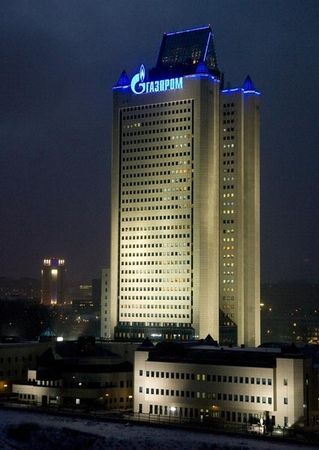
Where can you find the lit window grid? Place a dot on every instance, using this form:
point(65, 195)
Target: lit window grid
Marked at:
point(180, 167)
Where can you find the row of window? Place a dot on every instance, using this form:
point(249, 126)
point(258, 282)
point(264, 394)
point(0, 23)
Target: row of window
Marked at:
point(156, 254)
point(171, 244)
point(161, 325)
point(207, 377)
point(156, 289)
point(210, 395)
point(151, 306)
point(155, 217)
point(165, 112)
point(140, 150)
point(131, 175)
point(157, 105)
point(148, 182)
point(155, 156)
point(158, 236)
point(159, 199)
point(107, 399)
point(175, 262)
point(153, 123)
point(167, 316)
point(229, 416)
point(156, 280)
point(156, 297)
point(159, 208)
point(129, 166)
point(154, 271)
point(175, 226)
point(144, 132)
point(145, 141)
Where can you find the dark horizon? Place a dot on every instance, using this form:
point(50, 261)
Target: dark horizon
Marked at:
point(59, 63)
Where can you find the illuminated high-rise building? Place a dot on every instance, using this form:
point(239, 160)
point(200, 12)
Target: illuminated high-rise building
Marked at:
point(185, 199)
point(52, 281)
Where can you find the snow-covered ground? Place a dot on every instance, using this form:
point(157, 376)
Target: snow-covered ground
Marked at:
point(45, 432)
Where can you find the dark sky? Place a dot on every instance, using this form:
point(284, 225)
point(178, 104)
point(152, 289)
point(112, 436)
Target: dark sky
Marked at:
point(59, 60)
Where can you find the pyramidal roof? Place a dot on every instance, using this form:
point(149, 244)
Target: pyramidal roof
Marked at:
point(48, 332)
point(123, 80)
point(248, 84)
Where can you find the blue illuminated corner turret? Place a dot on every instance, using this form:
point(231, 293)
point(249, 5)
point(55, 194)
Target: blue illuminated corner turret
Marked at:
point(123, 80)
point(202, 68)
point(249, 87)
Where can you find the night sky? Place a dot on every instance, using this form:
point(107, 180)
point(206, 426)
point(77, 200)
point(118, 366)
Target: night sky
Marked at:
point(59, 60)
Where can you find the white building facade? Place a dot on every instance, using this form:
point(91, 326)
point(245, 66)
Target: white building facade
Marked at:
point(238, 386)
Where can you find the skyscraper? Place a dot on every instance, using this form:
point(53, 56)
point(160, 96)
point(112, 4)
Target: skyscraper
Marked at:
point(52, 281)
point(185, 199)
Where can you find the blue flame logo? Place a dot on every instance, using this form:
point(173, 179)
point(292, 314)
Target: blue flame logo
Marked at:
point(137, 83)
point(142, 73)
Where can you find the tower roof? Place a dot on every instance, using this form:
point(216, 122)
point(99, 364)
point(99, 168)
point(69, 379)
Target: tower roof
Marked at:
point(182, 52)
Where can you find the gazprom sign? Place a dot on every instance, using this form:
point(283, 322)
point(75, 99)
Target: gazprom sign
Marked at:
point(140, 86)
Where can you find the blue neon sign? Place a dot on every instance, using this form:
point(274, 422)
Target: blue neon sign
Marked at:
point(140, 86)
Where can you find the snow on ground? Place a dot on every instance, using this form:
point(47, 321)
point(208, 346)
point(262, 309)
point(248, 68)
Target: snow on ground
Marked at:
point(45, 432)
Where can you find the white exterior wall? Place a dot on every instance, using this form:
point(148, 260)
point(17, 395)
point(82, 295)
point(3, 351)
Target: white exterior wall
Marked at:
point(265, 397)
point(240, 214)
point(290, 390)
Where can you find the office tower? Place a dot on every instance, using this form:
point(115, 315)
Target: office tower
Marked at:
point(182, 261)
point(52, 281)
point(239, 216)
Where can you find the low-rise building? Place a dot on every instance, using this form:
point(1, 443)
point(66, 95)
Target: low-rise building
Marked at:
point(16, 357)
point(202, 381)
point(79, 373)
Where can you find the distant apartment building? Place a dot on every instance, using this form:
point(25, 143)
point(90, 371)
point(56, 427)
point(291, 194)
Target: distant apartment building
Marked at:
point(19, 289)
point(52, 281)
point(202, 381)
